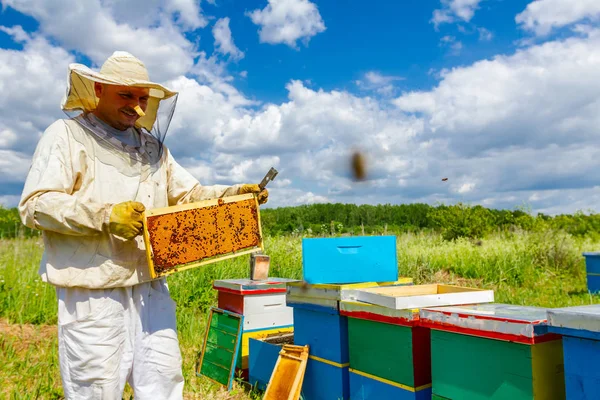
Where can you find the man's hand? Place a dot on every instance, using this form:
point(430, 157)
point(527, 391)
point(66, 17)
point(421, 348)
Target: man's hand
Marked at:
point(126, 219)
point(263, 196)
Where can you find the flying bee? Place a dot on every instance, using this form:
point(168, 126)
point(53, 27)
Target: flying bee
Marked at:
point(358, 166)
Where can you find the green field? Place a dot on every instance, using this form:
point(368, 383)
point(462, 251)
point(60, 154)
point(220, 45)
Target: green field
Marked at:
point(541, 268)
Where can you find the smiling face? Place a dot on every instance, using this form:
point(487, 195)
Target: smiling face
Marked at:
point(116, 105)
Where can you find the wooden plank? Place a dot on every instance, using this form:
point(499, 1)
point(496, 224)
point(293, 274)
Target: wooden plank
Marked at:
point(196, 234)
point(414, 290)
point(468, 367)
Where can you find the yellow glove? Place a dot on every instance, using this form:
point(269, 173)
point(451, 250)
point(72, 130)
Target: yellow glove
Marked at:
point(263, 196)
point(126, 219)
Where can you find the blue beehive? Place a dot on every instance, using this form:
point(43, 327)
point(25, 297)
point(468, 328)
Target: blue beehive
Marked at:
point(580, 327)
point(592, 266)
point(365, 387)
point(262, 359)
point(325, 380)
point(326, 334)
point(349, 259)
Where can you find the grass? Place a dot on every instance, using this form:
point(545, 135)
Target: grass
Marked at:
point(528, 268)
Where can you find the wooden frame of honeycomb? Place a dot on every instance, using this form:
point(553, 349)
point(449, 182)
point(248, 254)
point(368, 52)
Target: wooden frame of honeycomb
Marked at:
point(195, 234)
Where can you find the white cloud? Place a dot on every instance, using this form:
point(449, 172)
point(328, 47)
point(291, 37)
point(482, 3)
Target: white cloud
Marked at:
point(484, 34)
point(90, 28)
point(382, 84)
point(33, 81)
point(454, 45)
point(223, 40)
point(540, 95)
point(466, 188)
point(541, 16)
point(287, 21)
point(453, 10)
point(520, 127)
point(143, 13)
point(244, 74)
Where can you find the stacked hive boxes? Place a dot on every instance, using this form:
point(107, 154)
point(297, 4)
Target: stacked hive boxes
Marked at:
point(389, 353)
point(581, 348)
point(389, 350)
point(318, 323)
point(493, 351)
point(263, 305)
point(331, 268)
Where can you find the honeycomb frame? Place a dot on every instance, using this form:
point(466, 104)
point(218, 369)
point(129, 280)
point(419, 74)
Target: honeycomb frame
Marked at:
point(190, 235)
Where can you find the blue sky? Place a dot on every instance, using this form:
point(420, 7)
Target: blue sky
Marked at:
point(502, 97)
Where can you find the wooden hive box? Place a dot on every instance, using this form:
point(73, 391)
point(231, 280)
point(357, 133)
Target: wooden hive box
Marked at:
point(389, 352)
point(323, 380)
point(191, 235)
point(326, 297)
point(263, 305)
point(494, 351)
point(349, 259)
point(581, 348)
point(419, 296)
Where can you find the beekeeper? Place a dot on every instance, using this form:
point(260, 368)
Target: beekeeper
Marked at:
point(92, 176)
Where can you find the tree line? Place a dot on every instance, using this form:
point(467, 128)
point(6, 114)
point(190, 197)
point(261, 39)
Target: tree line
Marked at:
point(452, 221)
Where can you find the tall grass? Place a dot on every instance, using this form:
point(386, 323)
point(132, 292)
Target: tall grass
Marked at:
point(542, 268)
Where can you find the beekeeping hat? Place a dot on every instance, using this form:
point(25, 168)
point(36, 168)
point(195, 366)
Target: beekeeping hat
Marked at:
point(121, 68)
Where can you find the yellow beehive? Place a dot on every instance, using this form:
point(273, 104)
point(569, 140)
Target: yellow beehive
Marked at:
point(190, 235)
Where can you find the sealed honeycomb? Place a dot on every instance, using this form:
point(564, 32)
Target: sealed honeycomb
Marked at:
point(188, 236)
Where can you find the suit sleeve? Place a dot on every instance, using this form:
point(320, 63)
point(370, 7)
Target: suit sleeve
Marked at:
point(47, 201)
point(184, 188)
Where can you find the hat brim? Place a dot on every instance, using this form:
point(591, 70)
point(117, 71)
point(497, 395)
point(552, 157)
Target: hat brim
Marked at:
point(81, 94)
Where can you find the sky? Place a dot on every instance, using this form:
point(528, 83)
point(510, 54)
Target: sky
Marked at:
point(501, 97)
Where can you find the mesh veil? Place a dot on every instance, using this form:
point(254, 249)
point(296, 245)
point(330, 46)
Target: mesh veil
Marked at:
point(149, 132)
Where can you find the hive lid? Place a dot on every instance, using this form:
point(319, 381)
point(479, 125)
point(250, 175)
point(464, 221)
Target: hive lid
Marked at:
point(586, 318)
point(372, 312)
point(495, 320)
point(300, 289)
point(243, 286)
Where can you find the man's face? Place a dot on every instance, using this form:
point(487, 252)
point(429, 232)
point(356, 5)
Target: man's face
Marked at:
point(116, 104)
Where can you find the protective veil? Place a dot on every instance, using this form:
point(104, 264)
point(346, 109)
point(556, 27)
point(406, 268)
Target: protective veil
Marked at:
point(114, 324)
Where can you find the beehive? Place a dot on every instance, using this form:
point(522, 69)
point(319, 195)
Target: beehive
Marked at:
point(389, 352)
point(494, 351)
point(581, 348)
point(263, 305)
point(190, 235)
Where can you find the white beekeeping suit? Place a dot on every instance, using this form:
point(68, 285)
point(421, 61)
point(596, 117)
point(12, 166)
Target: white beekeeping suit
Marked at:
point(115, 325)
